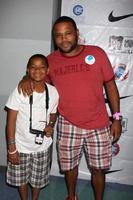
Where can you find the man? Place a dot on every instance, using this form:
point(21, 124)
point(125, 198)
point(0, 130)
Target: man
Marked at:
point(79, 73)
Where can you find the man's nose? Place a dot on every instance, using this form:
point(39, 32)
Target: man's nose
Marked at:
point(64, 37)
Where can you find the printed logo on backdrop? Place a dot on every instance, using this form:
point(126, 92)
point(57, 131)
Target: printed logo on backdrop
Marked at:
point(115, 149)
point(113, 18)
point(124, 125)
point(81, 39)
point(77, 12)
point(121, 71)
point(121, 44)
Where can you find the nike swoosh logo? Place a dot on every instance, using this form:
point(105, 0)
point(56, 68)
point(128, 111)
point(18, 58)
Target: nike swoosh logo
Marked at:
point(112, 18)
point(112, 171)
point(107, 101)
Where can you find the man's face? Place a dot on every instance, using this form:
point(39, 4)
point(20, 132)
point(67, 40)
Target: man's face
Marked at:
point(65, 36)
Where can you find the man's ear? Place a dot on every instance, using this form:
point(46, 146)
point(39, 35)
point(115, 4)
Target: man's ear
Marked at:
point(78, 32)
point(47, 71)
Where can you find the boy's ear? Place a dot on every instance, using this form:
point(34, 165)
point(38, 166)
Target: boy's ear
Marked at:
point(27, 71)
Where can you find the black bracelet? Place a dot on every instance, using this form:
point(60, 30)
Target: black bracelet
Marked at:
point(11, 142)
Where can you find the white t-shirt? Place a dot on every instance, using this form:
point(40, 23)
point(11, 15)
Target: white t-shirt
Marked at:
point(25, 141)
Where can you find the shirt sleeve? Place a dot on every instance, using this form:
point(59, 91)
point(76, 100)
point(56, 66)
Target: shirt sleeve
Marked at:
point(55, 96)
point(13, 101)
point(108, 73)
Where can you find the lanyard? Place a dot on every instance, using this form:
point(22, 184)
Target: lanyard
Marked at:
point(46, 104)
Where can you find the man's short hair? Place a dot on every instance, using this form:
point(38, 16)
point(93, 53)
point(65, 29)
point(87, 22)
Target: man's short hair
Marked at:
point(65, 19)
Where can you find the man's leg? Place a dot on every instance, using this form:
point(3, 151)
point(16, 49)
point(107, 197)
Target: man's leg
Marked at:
point(71, 180)
point(35, 193)
point(70, 150)
point(23, 190)
point(98, 183)
point(98, 149)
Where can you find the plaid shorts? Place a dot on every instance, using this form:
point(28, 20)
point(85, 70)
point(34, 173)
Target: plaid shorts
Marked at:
point(34, 168)
point(73, 141)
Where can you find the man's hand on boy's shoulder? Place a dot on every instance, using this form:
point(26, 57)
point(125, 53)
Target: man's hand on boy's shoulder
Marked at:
point(26, 86)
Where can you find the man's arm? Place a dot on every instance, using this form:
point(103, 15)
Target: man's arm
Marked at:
point(114, 103)
point(13, 155)
point(26, 86)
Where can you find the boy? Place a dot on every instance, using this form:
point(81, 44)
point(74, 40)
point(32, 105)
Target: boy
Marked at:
point(29, 129)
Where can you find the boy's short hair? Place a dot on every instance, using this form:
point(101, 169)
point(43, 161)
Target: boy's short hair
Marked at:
point(65, 19)
point(37, 56)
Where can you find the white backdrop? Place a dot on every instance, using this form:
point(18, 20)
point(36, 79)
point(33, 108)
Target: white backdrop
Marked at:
point(25, 29)
point(115, 35)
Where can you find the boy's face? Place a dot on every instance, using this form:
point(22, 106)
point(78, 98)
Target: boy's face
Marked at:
point(37, 69)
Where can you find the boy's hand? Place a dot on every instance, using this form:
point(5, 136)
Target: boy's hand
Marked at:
point(14, 158)
point(26, 86)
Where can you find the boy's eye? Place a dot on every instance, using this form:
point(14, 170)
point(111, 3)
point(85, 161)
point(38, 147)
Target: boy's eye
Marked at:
point(42, 67)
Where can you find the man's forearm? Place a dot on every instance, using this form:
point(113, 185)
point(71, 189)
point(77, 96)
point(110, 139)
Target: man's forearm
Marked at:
point(113, 96)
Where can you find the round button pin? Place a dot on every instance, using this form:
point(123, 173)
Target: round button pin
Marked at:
point(90, 59)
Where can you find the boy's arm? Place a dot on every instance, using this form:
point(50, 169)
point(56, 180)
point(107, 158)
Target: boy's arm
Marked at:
point(13, 155)
point(114, 102)
point(50, 127)
point(52, 119)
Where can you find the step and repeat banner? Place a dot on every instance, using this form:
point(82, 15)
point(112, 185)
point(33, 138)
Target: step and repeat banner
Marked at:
point(109, 24)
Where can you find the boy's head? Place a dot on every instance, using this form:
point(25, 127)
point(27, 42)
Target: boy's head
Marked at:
point(37, 67)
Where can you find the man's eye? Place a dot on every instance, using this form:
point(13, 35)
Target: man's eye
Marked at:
point(68, 33)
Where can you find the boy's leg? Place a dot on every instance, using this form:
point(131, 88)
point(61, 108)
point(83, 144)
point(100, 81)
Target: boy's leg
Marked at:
point(35, 193)
point(23, 191)
point(40, 169)
point(17, 175)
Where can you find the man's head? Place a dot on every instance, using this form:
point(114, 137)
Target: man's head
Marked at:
point(63, 19)
point(65, 34)
point(37, 67)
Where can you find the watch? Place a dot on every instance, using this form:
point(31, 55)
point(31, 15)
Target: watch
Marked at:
point(51, 123)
